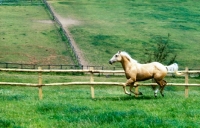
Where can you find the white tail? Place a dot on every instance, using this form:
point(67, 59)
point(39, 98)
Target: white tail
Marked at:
point(173, 68)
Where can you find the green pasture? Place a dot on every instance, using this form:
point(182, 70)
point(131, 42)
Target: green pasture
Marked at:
point(107, 26)
point(72, 106)
point(28, 35)
point(21, 2)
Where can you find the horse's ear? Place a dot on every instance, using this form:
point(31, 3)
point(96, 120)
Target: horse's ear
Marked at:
point(119, 52)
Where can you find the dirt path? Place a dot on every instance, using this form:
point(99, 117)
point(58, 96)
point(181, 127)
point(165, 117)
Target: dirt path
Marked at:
point(66, 22)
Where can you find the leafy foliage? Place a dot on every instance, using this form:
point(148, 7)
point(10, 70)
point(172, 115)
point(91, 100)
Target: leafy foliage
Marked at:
point(160, 51)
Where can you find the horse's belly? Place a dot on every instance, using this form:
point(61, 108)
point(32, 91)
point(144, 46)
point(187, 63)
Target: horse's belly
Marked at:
point(139, 76)
point(143, 78)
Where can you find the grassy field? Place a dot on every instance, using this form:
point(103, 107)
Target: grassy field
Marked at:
point(73, 107)
point(105, 27)
point(28, 35)
point(108, 26)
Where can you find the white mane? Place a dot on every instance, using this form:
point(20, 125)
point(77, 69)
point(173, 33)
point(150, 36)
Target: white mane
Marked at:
point(128, 56)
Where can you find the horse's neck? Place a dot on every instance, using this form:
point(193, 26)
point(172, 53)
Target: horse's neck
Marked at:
point(126, 63)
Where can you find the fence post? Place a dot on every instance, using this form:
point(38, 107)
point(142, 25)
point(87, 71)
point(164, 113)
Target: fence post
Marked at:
point(40, 82)
point(92, 80)
point(6, 65)
point(114, 70)
point(186, 82)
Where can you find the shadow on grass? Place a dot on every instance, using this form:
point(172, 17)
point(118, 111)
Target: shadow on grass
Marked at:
point(4, 123)
point(13, 97)
point(125, 98)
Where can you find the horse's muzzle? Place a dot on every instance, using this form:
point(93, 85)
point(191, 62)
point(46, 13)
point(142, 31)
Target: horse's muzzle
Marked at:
point(110, 62)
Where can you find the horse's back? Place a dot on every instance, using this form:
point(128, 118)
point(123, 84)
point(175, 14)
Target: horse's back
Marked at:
point(151, 70)
point(160, 70)
point(160, 66)
point(155, 68)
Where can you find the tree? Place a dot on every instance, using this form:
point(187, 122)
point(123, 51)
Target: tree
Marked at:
point(160, 51)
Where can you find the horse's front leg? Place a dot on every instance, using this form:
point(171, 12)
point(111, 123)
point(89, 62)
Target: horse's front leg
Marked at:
point(125, 91)
point(135, 92)
point(128, 82)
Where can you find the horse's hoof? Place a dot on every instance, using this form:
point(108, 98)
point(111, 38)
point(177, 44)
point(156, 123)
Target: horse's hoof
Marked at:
point(155, 95)
point(128, 94)
point(163, 95)
point(140, 93)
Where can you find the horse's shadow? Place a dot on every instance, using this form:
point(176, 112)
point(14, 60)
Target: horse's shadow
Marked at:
point(124, 98)
point(13, 97)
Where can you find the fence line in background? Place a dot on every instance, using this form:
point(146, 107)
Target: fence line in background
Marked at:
point(20, 2)
point(35, 66)
point(53, 66)
point(39, 84)
point(56, 66)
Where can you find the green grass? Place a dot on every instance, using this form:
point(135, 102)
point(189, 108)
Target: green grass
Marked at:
point(28, 36)
point(105, 26)
point(72, 106)
point(108, 26)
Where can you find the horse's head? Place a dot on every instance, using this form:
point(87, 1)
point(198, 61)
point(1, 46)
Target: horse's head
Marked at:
point(116, 58)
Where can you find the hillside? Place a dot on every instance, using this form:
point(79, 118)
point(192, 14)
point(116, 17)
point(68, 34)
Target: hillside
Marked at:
point(107, 26)
point(29, 36)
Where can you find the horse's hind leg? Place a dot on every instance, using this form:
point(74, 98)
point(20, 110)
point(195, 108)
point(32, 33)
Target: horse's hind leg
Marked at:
point(155, 88)
point(162, 84)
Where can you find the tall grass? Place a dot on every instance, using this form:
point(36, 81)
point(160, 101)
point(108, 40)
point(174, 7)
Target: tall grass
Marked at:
point(109, 26)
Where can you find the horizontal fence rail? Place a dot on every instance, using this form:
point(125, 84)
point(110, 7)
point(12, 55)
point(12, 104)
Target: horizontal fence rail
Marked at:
point(91, 83)
point(91, 71)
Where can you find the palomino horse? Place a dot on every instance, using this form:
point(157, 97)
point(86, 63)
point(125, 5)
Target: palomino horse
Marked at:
point(135, 71)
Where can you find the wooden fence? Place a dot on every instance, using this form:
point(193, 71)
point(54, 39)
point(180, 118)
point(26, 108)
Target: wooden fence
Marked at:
point(91, 71)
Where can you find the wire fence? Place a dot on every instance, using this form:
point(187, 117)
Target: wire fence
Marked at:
point(35, 66)
point(21, 2)
point(52, 66)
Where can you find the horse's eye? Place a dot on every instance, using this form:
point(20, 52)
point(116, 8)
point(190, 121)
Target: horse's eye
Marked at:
point(116, 55)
